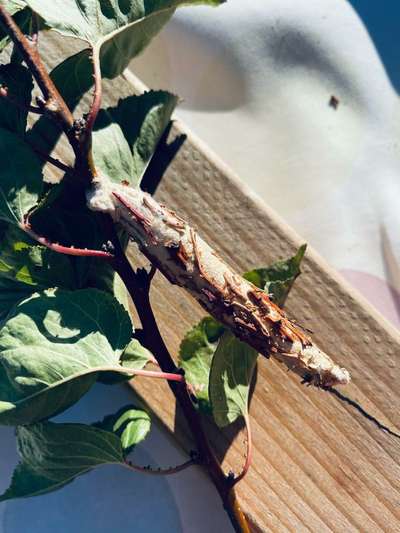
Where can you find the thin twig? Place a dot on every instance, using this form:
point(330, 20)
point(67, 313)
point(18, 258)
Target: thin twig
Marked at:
point(46, 157)
point(141, 372)
point(85, 139)
point(169, 376)
point(249, 453)
point(54, 103)
point(159, 375)
point(67, 250)
point(159, 471)
point(151, 273)
point(30, 108)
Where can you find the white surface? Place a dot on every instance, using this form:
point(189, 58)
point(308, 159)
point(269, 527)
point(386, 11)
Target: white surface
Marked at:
point(257, 77)
point(256, 83)
point(111, 499)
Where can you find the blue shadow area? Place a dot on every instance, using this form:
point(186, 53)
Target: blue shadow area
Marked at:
point(109, 499)
point(382, 21)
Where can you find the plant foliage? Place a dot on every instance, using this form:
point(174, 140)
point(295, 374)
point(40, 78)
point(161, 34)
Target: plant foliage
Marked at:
point(62, 324)
point(64, 321)
point(217, 364)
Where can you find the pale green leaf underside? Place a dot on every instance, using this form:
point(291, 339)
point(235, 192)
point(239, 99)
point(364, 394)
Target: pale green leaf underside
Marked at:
point(21, 15)
point(98, 20)
point(230, 376)
point(23, 261)
point(195, 355)
point(203, 354)
point(118, 31)
point(112, 154)
point(13, 6)
point(52, 348)
point(20, 177)
point(135, 356)
point(126, 136)
point(52, 455)
point(130, 423)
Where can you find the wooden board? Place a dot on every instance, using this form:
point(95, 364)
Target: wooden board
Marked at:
point(319, 465)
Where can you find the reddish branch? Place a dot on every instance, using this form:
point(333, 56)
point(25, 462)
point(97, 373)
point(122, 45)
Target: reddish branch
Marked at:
point(249, 452)
point(67, 250)
point(54, 103)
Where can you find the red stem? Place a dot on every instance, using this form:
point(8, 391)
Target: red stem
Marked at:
point(249, 453)
point(31, 57)
point(95, 107)
point(67, 250)
point(169, 376)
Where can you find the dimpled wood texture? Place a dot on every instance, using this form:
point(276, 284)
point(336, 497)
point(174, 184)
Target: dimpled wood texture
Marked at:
point(318, 464)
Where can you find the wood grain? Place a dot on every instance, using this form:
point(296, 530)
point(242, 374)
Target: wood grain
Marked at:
point(319, 465)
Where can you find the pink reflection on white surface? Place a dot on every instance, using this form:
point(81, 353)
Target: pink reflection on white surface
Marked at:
point(384, 297)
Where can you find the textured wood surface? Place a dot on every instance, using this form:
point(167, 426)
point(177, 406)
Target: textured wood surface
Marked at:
point(319, 465)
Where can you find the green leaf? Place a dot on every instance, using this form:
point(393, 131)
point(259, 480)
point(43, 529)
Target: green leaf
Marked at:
point(230, 377)
point(13, 6)
point(11, 293)
point(52, 348)
point(278, 279)
point(64, 217)
point(203, 344)
point(23, 261)
point(130, 423)
point(20, 178)
point(21, 15)
point(117, 31)
point(195, 356)
point(102, 276)
point(126, 136)
point(73, 77)
point(18, 81)
point(52, 455)
point(135, 355)
point(111, 152)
